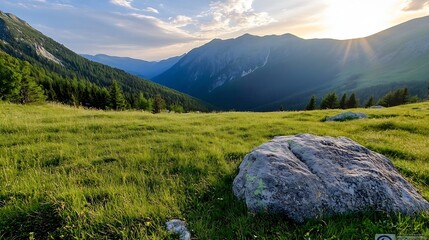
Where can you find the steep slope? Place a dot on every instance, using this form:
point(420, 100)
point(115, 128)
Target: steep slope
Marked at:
point(141, 68)
point(262, 73)
point(20, 40)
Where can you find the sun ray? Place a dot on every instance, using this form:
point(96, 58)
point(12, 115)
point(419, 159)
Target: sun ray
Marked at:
point(366, 47)
point(347, 52)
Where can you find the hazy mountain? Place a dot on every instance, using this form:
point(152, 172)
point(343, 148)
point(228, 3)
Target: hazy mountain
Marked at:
point(262, 73)
point(141, 68)
point(20, 40)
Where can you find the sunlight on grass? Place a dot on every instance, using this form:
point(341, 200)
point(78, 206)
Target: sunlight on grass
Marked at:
point(74, 173)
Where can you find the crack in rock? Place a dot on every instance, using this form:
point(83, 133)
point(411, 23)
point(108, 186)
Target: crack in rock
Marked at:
point(307, 177)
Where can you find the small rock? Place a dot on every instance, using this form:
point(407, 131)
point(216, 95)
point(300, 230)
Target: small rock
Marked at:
point(308, 177)
point(177, 226)
point(346, 117)
point(377, 107)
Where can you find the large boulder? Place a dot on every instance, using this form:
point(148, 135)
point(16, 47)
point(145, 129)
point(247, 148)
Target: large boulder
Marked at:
point(307, 177)
point(346, 116)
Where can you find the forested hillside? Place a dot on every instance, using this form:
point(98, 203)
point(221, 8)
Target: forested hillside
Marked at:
point(53, 65)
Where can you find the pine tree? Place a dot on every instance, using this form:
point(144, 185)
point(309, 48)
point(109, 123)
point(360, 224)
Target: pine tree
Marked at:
point(149, 105)
point(352, 102)
point(370, 102)
point(117, 100)
point(312, 104)
point(343, 102)
point(330, 101)
point(143, 103)
point(405, 96)
point(103, 98)
point(159, 104)
point(50, 92)
point(30, 91)
point(10, 83)
point(177, 108)
point(395, 98)
point(427, 97)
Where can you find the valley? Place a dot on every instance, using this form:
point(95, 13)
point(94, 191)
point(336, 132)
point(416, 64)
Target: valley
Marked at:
point(254, 73)
point(107, 146)
point(140, 68)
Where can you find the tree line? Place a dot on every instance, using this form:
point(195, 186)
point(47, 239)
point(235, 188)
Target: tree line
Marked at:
point(19, 43)
point(23, 83)
point(390, 99)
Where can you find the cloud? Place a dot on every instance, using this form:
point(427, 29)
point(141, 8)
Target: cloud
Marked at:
point(140, 35)
point(414, 5)
point(158, 25)
point(181, 21)
point(231, 16)
point(128, 4)
point(39, 4)
point(123, 3)
point(151, 10)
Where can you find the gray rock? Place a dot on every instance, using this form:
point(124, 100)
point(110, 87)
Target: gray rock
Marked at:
point(177, 226)
point(346, 116)
point(307, 177)
point(377, 107)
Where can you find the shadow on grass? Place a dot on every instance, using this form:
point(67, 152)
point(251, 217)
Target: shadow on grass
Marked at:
point(385, 126)
point(38, 218)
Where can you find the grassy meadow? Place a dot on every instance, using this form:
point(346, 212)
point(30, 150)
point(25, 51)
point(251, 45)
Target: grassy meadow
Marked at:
point(68, 173)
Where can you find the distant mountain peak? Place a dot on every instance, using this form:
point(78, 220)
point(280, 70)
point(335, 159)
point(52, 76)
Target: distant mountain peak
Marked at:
point(263, 72)
point(290, 35)
point(14, 18)
point(138, 67)
point(247, 36)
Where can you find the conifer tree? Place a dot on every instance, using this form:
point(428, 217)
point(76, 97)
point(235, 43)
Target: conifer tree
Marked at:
point(405, 96)
point(159, 104)
point(30, 91)
point(312, 104)
point(150, 105)
point(177, 108)
point(395, 98)
point(343, 102)
point(330, 101)
point(103, 98)
point(370, 102)
point(116, 97)
point(9, 82)
point(427, 97)
point(143, 103)
point(352, 102)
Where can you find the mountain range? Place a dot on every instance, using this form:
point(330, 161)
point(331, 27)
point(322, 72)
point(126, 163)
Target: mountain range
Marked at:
point(141, 68)
point(263, 73)
point(24, 43)
point(246, 73)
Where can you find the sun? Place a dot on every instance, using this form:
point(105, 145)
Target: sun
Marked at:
point(347, 19)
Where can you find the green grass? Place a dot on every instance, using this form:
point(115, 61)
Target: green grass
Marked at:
point(69, 173)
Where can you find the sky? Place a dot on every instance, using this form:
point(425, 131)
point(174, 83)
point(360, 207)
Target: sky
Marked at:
point(159, 29)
